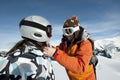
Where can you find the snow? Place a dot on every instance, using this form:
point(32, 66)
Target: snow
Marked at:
point(107, 68)
point(108, 42)
point(60, 73)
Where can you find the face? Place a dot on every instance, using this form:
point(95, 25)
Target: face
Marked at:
point(70, 37)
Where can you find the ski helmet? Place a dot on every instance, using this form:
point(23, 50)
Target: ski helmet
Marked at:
point(71, 25)
point(35, 28)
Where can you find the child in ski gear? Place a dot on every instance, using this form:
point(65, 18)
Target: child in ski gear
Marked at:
point(74, 51)
point(25, 61)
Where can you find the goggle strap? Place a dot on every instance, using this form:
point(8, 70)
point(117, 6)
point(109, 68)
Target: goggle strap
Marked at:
point(33, 24)
point(76, 28)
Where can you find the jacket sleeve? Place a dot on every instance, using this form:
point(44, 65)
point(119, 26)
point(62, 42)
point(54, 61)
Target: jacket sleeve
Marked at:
point(76, 63)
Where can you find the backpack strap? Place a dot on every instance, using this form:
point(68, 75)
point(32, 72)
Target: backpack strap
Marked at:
point(94, 59)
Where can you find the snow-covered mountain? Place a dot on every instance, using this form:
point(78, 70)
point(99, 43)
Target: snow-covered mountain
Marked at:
point(108, 47)
point(108, 42)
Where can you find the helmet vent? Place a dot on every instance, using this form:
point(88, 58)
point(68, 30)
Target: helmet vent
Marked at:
point(37, 35)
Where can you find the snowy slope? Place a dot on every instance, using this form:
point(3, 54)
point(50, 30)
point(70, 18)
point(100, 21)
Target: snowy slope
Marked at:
point(107, 69)
point(60, 73)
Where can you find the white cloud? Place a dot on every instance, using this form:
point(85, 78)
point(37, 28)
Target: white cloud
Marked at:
point(109, 25)
point(102, 26)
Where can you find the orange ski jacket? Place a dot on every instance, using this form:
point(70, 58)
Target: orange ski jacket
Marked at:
point(77, 66)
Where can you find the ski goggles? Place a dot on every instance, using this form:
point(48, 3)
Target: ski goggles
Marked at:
point(70, 30)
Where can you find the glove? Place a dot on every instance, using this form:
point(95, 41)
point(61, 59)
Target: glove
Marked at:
point(49, 51)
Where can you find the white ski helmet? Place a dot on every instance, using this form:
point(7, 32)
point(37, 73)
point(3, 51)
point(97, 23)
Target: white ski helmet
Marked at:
point(35, 28)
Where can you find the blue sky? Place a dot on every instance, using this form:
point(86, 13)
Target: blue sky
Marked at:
point(101, 18)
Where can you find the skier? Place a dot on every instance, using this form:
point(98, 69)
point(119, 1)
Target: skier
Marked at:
point(25, 61)
point(74, 52)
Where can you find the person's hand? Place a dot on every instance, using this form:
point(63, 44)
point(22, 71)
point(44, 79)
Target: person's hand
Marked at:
point(49, 51)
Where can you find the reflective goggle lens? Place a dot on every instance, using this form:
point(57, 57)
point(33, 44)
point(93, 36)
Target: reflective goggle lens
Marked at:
point(70, 30)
